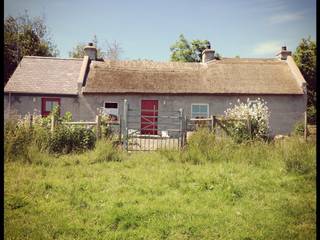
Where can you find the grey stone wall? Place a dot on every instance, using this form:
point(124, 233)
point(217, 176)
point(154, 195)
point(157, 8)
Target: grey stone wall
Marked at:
point(286, 110)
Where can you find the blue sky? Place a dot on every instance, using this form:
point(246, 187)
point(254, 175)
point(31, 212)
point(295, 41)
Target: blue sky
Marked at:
point(145, 29)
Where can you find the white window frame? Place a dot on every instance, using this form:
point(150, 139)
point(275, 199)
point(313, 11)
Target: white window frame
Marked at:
point(203, 104)
point(104, 108)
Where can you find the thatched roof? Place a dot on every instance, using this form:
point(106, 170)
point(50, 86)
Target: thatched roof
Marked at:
point(45, 75)
point(226, 76)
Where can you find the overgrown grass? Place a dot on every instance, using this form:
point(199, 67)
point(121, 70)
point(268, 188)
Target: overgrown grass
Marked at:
point(213, 190)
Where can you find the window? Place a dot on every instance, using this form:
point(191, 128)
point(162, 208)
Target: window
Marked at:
point(200, 110)
point(48, 104)
point(111, 109)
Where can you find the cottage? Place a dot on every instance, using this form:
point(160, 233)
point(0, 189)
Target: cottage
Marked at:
point(82, 86)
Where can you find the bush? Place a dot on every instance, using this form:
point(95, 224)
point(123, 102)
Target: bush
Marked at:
point(299, 129)
point(312, 114)
point(66, 139)
point(17, 137)
point(256, 112)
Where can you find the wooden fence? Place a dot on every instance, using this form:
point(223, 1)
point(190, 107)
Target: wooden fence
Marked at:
point(218, 121)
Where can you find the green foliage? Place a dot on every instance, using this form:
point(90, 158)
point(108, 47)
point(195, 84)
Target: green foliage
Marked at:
point(183, 51)
point(297, 156)
point(105, 151)
point(299, 129)
point(66, 139)
point(20, 138)
point(25, 36)
point(312, 114)
point(17, 137)
point(200, 147)
point(305, 57)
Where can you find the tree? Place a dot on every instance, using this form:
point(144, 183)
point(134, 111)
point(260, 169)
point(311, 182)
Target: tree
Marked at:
point(183, 51)
point(78, 51)
point(112, 52)
point(25, 36)
point(305, 57)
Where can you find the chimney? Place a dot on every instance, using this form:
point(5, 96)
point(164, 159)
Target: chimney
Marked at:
point(283, 54)
point(91, 51)
point(207, 55)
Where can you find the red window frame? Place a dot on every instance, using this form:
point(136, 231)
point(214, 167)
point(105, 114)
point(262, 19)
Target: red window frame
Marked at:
point(44, 100)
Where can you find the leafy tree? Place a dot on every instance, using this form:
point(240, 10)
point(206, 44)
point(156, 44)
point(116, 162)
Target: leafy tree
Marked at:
point(183, 51)
point(197, 47)
point(25, 36)
point(305, 57)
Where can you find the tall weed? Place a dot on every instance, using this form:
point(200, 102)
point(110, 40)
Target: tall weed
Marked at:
point(105, 151)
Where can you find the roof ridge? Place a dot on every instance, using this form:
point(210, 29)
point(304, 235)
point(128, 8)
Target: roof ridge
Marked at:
point(54, 58)
point(149, 61)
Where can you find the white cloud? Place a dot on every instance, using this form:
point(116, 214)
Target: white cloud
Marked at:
point(267, 48)
point(286, 17)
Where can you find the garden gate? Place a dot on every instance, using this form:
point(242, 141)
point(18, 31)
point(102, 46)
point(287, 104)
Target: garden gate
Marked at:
point(149, 128)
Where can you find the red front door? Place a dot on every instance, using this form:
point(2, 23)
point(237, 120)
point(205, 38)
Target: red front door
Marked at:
point(149, 117)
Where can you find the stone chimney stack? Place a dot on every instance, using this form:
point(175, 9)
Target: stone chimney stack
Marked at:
point(207, 55)
point(91, 51)
point(283, 54)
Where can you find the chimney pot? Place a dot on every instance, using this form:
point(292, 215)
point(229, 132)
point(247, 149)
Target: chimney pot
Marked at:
point(91, 51)
point(283, 54)
point(207, 55)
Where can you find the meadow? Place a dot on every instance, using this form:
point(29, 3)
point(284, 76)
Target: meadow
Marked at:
point(211, 190)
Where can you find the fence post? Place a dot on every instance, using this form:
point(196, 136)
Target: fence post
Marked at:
point(30, 120)
point(98, 130)
point(180, 126)
point(185, 130)
point(214, 123)
point(249, 126)
point(120, 130)
point(211, 123)
point(305, 133)
point(52, 122)
point(125, 124)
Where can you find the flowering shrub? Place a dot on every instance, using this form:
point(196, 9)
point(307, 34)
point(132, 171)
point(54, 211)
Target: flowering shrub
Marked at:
point(256, 112)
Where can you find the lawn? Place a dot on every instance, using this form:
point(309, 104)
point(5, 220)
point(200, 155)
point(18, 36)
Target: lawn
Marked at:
point(253, 191)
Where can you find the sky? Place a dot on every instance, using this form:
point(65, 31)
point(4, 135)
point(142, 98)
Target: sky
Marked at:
point(145, 29)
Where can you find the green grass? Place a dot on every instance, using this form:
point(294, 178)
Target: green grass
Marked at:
point(253, 191)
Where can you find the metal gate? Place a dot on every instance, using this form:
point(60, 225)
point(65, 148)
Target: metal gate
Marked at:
point(152, 129)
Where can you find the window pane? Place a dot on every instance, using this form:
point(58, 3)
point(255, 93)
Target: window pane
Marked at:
point(111, 109)
point(53, 104)
point(195, 108)
point(48, 106)
point(111, 105)
point(203, 108)
point(200, 111)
